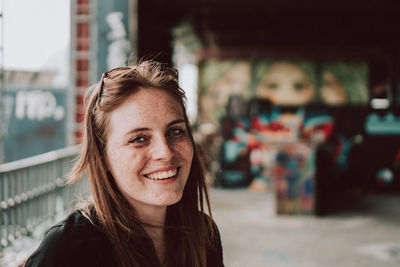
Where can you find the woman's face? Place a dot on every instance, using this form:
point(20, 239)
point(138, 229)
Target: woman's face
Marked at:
point(148, 150)
point(286, 84)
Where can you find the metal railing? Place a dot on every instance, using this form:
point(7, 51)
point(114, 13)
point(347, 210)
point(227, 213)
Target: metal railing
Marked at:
point(34, 194)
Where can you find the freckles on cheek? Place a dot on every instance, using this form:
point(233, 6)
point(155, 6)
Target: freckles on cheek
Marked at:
point(185, 147)
point(126, 168)
point(113, 159)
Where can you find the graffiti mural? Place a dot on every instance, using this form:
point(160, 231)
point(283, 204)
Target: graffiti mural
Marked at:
point(343, 83)
point(112, 40)
point(37, 105)
point(282, 82)
point(294, 172)
point(285, 82)
point(220, 81)
point(36, 122)
point(119, 46)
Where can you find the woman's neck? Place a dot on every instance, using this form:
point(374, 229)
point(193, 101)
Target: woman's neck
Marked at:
point(154, 221)
point(157, 235)
point(152, 215)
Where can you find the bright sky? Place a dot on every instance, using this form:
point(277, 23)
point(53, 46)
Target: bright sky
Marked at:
point(36, 32)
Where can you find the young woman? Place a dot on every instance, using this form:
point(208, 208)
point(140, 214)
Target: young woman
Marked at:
point(146, 178)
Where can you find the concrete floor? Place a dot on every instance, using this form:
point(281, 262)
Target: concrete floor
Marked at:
point(366, 235)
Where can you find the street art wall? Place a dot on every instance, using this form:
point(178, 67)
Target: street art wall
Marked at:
point(282, 82)
point(298, 127)
point(275, 147)
point(35, 121)
point(113, 38)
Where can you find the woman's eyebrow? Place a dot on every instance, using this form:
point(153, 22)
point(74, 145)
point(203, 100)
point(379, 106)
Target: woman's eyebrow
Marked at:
point(138, 130)
point(148, 129)
point(175, 122)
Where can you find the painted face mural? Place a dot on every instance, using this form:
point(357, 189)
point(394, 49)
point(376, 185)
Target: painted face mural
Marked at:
point(332, 91)
point(282, 82)
point(220, 80)
point(344, 83)
point(285, 83)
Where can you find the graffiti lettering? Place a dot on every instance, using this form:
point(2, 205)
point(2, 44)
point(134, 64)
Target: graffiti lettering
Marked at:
point(120, 45)
point(37, 105)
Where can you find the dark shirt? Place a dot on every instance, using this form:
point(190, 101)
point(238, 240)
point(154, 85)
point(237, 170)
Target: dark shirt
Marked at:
point(77, 242)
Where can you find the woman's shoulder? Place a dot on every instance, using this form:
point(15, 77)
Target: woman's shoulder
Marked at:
point(75, 228)
point(75, 241)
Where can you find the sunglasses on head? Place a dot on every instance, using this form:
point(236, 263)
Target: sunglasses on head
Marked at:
point(107, 75)
point(172, 71)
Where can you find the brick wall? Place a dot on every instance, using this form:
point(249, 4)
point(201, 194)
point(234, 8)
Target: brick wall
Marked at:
point(80, 61)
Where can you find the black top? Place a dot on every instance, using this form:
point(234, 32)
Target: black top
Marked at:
point(77, 242)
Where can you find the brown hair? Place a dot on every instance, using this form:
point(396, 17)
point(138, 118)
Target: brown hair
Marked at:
point(188, 229)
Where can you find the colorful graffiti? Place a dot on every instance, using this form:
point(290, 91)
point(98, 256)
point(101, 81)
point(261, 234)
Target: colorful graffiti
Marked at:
point(282, 82)
point(36, 122)
point(294, 172)
point(37, 105)
point(274, 148)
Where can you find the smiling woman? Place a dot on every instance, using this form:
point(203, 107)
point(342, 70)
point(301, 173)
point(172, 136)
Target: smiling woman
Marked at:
point(149, 153)
point(146, 178)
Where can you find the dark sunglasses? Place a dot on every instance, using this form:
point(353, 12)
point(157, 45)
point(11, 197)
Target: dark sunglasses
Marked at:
point(172, 71)
point(107, 75)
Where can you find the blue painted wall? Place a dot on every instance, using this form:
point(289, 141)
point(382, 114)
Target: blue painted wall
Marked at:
point(113, 41)
point(35, 121)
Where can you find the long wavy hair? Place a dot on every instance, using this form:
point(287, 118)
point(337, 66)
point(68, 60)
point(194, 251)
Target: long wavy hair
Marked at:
point(189, 231)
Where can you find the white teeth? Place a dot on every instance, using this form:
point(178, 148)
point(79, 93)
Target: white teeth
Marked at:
point(162, 175)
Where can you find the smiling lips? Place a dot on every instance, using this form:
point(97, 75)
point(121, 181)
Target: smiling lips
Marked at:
point(162, 175)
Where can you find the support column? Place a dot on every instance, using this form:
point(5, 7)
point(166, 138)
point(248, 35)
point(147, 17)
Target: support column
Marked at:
point(80, 61)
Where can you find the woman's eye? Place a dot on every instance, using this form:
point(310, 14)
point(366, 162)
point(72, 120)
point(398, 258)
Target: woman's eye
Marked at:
point(176, 132)
point(138, 140)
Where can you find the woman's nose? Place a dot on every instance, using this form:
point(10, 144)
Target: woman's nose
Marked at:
point(161, 149)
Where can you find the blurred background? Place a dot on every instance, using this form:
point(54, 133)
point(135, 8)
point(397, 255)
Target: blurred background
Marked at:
point(295, 107)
